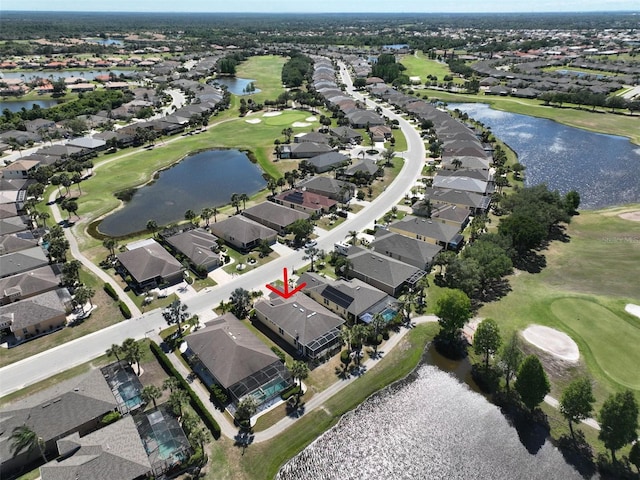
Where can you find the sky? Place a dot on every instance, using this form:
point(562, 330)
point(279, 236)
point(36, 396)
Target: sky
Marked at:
point(325, 6)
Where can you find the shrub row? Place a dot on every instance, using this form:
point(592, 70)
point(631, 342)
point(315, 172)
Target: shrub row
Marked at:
point(108, 288)
point(290, 392)
point(196, 403)
point(124, 309)
point(279, 353)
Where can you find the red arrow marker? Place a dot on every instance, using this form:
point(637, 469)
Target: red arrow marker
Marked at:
point(287, 293)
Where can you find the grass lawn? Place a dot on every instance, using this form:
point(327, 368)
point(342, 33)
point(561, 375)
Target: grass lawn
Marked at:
point(599, 121)
point(583, 291)
point(267, 73)
point(419, 65)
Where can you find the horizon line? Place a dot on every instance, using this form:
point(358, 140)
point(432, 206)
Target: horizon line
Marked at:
point(635, 12)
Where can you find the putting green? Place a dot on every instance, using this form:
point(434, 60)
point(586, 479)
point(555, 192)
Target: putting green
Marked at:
point(287, 118)
point(612, 340)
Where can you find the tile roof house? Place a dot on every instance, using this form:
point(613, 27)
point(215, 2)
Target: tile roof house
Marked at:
point(385, 273)
point(327, 161)
point(115, 451)
point(75, 405)
point(427, 230)
point(243, 233)
point(306, 201)
point(22, 261)
point(199, 246)
point(311, 329)
point(351, 299)
point(36, 315)
point(27, 284)
point(230, 355)
point(150, 265)
point(275, 216)
point(338, 190)
point(408, 250)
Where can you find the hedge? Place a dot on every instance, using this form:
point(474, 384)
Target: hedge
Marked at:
point(124, 309)
point(290, 392)
point(196, 403)
point(110, 291)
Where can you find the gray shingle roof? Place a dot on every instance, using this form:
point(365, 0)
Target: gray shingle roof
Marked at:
point(275, 214)
point(381, 268)
point(28, 283)
point(438, 231)
point(242, 229)
point(394, 244)
point(149, 261)
point(22, 261)
point(196, 244)
point(34, 310)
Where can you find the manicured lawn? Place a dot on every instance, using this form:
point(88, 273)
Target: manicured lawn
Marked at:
point(267, 72)
point(419, 65)
point(285, 119)
point(590, 278)
point(599, 121)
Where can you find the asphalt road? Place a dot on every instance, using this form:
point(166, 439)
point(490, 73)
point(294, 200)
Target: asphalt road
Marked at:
point(38, 367)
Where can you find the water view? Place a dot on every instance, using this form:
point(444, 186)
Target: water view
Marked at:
point(201, 180)
point(433, 427)
point(237, 86)
point(604, 169)
point(27, 104)
point(28, 76)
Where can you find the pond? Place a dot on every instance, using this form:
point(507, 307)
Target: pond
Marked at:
point(235, 85)
point(604, 169)
point(426, 427)
point(28, 104)
point(204, 179)
point(30, 75)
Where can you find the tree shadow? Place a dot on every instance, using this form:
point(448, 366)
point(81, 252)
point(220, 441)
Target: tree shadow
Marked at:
point(578, 453)
point(559, 233)
point(532, 428)
point(531, 262)
point(495, 290)
point(243, 439)
point(295, 408)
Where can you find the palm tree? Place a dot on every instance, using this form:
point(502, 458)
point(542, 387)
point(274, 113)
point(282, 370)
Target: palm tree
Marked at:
point(171, 384)
point(114, 351)
point(177, 399)
point(24, 438)
point(206, 215)
point(199, 436)
point(215, 212)
point(190, 215)
point(300, 371)
point(272, 185)
point(152, 226)
point(132, 353)
point(354, 237)
point(44, 216)
point(358, 336)
point(151, 393)
point(281, 182)
point(376, 325)
point(110, 244)
point(235, 202)
point(312, 254)
point(243, 198)
point(77, 178)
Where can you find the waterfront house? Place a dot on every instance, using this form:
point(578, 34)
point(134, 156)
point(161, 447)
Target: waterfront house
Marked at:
point(149, 265)
point(274, 216)
point(338, 190)
point(243, 233)
point(198, 246)
point(306, 201)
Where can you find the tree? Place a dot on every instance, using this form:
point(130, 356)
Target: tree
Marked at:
point(235, 202)
point(132, 353)
point(206, 214)
point(299, 371)
point(618, 421)
point(65, 181)
point(246, 409)
point(190, 215)
point(312, 254)
point(388, 155)
point(301, 229)
point(243, 198)
point(24, 438)
point(77, 178)
point(376, 325)
point(486, 340)
point(510, 359)
point(177, 399)
point(70, 205)
point(171, 384)
point(353, 234)
point(532, 383)
point(176, 313)
point(572, 201)
point(634, 455)
point(110, 244)
point(453, 309)
point(199, 437)
point(287, 132)
point(114, 351)
point(576, 402)
point(358, 336)
point(71, 272)
point(241, 300)
point(152, 226)
point(151, 393)
point(83, 295)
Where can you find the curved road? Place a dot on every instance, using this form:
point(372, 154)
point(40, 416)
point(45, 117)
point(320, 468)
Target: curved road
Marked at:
point(81, 350)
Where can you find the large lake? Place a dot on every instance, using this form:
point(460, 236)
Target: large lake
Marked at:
point(433, 427)
point(604, 169)
point(15, 106)
point(205, 179)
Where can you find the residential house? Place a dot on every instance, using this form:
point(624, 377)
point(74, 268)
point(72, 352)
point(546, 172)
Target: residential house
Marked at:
point(328, 161)
point(365, 168)
point(21, 168)
point(338, 190)
point(346, 134)
point(75, 405)
point(274, 216)
point(115, 451)
point(364, 119)
point(243, 233)
point(22, 261)
point(226, 353)
point(474, 201)
point(427, 230)
point(351, 299)
point(27, 284)
point(149, 265)
point(93, 145)
point(385, 273)
point(464, 183)
point(315, 137)
point(15, 224)
point(380, 133)
point(199, 246)
point(14, 242)
point(304, 150)
point(306, 201)
point(308, 327)
point(37, 315)
point(406, 249)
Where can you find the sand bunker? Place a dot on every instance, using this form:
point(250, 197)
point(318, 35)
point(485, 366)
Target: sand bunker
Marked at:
point(300, 124)
point(253, 120)
point(272, 114)
point(310, 119)
point(556, 343)
point(632, 309)
point(633, 216)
